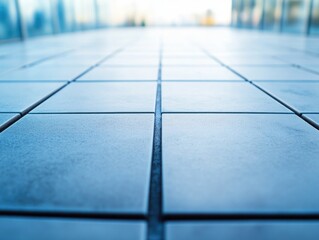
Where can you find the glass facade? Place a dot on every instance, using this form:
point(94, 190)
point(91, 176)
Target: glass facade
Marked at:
point(314, 27)
point(37, 17)
point(295, 16)
point(9, 22)
point(292, 16)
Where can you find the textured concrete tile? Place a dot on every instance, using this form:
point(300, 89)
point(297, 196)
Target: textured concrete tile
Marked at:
point(274, 230)
point(276, 74)
point(122, 73)
point(38, 73)
point(225, 163)
point(217, 97)
point(103, 97)
point(198, 73)
point(302, 96)
point(15, 228)
point(16, 97)
point(189, 61)
point(82, 163)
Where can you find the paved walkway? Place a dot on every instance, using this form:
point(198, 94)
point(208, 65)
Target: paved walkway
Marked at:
point(165, 133)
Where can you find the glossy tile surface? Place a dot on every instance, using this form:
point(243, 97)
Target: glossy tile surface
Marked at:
point(261, 230)
point(217, 97)
point(15, 228)
point(239, 164)
point(276, 74)
point(304, 97)
point(77, 163)
point(105, 73)
point(16, 97)
point(102, 97)
point(198, 73)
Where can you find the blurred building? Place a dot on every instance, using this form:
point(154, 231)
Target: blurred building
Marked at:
point(293, 16)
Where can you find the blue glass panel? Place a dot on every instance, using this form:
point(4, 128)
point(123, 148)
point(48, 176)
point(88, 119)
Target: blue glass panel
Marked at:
point(9, 27)
point(65, 14)
point(256, 14)
point(37, 17)
point(295, 16)
point(272, 14)
point(85, 15)
point(315, 18)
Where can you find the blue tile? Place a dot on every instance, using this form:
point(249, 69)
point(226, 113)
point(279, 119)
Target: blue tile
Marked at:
point(258, 73)
point(248, 230)
point(78, 163)
point(122, 73)
point(6, 118)
point(16, 97)
point(17, 228)
point(38, 73)
point(102, 97)
point(226, 163)
point(313, 117)
point(198, 73)
point(304, 97)
point(217, 97)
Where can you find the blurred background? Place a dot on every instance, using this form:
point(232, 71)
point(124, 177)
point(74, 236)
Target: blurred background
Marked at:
point(20, 19)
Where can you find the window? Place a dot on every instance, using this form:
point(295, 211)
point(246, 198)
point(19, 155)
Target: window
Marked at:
point(295, 16)
point(314, 28)
point(9, 27)
point(37, 17)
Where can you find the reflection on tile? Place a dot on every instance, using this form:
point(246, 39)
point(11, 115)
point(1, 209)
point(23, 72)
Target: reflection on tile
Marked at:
point(217, 97)
point(304, 97)
point(81, 163)
point(102, 97)
point(17, 228)
point(198, 73)
point(226, 163)
point(261, 230)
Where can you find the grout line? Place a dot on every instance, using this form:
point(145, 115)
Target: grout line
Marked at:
point(263, 90)
point(33, 106)
point(230, 113)
point(76, 215)
point(240, 216)
point(86, 113)
point(155, 221)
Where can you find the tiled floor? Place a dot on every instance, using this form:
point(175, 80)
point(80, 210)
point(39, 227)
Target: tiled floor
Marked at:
point(170, 134)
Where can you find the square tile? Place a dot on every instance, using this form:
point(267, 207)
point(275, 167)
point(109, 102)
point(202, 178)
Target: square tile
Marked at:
point(122, 73)
point(17, 228)
point(248, 230)
point(276, 74)
point(189, 61)
point(18, 96)
point(251, 60)
point(304, 97)
point(78, 163)
point(239, 164)
point(38, 73)
point(198, 73)
point(132, 61)
point(217, 97)
point(102, 97)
